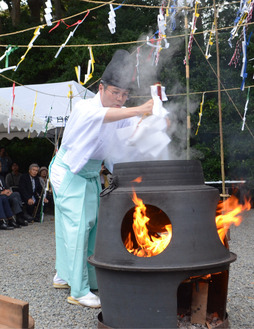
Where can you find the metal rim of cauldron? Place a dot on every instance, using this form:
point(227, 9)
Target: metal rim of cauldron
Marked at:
point(95, 263)
point(224, 324)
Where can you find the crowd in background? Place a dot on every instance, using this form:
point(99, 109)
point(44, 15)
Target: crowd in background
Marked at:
point(24, 197)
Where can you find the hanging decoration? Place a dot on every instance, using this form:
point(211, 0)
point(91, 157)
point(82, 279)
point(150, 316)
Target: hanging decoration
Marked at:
point(244, 65)
point(200, 113)
point(193, 28)
point(158, 47)
point(118, 7)
point(162, 38)
point(68, 26)
point(246, 108)
point(12, 107)
point(236, 56)
point(90, 68)
point(161, 21)
point(210, 41)
point(137, 67)
point(112, 20)
point(167, 12)
point(112, 16)
point(30, 45)
point(245, 44)
point(237, 53)
point(48, 11)
point(33, 115)
point(173, 15)
point(8, 68)
point(71, 34)
point(246, 7)
point(10, 49)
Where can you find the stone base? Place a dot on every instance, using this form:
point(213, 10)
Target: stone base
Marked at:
point(223, 325)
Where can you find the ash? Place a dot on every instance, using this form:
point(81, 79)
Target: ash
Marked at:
point(212, 321)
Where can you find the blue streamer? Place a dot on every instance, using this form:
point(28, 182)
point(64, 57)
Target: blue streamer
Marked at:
point(172, 18)
point(119, 6)
point(245, 74)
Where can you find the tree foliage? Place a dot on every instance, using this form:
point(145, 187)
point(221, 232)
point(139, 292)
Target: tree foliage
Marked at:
point(135, 23)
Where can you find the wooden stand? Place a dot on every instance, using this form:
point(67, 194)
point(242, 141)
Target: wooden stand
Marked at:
point(199, 302)
point(14, 314)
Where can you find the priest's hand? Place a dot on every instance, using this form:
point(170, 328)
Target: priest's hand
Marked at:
point(146, 108)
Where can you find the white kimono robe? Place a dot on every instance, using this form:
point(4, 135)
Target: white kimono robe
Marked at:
point(74, 174)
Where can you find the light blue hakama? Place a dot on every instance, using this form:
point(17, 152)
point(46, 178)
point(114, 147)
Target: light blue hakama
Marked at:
point(76, 212)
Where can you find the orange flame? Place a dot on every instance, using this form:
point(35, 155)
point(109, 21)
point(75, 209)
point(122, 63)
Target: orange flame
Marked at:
point(149, 244)
point(137, 180)
point(229, 213)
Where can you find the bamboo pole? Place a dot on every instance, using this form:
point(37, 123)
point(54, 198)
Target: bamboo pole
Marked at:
point(187, 69)
point(219, 101)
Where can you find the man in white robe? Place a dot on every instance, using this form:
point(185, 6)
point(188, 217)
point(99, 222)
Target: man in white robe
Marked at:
point(75, 176)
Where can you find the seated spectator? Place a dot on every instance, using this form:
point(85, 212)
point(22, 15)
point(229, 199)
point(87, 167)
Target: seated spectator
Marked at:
point(31, 191)
point(48, 193)
point(12, 178)
point(6, 215)
point(5, 161)
point(43, 176)
point(15, 203)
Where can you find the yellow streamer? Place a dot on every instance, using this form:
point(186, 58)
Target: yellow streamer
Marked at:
point(89, 74)
point(30, 45)
point(197, 3)
point(70, 93)
point(210, 42)
point(200, 113)
point(32, 122)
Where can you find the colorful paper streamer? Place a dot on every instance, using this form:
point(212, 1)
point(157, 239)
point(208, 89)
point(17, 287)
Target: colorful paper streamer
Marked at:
point(246, 108)
point(90, 68)
point(32, 122)
point(12, 107)
point(200, 113)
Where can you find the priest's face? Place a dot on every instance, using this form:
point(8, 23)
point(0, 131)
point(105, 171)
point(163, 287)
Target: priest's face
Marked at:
point(112, 96)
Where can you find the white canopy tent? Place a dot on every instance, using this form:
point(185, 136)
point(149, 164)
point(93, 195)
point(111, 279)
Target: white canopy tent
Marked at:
point(20, 122)
point(51, 104)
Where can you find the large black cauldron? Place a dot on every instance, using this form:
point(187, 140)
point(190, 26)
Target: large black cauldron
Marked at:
point(141, 292)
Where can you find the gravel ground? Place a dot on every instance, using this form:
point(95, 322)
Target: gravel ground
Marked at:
point(27, 258)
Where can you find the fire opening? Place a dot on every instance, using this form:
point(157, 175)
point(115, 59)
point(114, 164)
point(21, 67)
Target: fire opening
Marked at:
point(202, 300)
point(146, 230)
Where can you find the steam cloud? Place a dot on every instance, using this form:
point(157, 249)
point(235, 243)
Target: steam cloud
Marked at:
point(176, 107)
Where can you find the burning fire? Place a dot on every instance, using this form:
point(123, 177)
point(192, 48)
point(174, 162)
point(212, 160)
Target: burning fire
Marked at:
point(152, 242)
point(149, 243)
point(137, 180)
point(229, 213)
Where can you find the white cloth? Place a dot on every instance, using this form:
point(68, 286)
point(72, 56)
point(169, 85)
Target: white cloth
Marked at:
point(147, 139)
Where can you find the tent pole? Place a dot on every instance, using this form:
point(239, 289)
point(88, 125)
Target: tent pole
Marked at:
point(56, 139)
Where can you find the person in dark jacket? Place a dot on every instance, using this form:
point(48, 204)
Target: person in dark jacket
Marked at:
point(12, 178)
point(15, 202)
point(7, 221)
point(31, 191)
